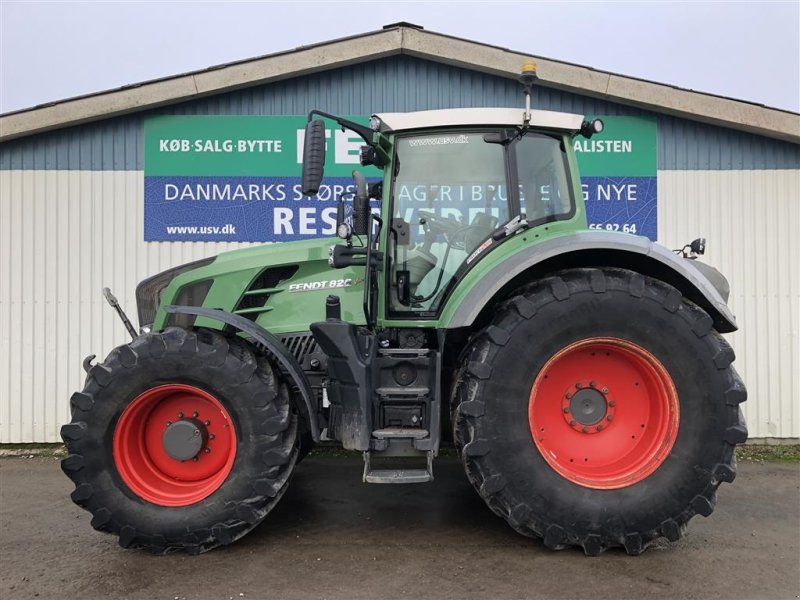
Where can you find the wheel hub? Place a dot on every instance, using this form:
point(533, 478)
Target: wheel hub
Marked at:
point(588, 406)
point(184, 439)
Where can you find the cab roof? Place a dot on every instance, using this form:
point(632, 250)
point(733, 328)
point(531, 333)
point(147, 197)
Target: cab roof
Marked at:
point(463, 117)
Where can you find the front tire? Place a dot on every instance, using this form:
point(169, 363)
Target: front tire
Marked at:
point(599, 409)
point(147, 480)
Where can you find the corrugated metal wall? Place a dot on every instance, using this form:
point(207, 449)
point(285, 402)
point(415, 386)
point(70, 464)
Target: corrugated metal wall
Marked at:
point(751, 220)
point(66, 234)
point(63, 236)
point(71, 221)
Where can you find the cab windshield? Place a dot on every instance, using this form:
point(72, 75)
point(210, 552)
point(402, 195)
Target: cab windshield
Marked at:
point(452, 191)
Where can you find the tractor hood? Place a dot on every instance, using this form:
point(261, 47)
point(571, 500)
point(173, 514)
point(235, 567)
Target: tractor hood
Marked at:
point(281, 286)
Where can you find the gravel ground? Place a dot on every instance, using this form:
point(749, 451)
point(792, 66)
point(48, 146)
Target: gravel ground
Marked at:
point(333, 537)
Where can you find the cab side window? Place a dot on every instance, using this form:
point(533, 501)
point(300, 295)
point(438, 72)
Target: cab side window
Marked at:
point(541, 169)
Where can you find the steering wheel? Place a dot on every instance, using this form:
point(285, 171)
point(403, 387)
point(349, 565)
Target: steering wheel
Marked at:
point(454, 231)
point(446, 225)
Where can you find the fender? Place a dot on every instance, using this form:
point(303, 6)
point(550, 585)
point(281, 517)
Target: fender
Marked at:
point(273, 344)
point(617, 249)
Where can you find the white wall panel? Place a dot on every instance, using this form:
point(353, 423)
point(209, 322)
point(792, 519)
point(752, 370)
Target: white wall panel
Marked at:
point(66, 234)
point(752, 222)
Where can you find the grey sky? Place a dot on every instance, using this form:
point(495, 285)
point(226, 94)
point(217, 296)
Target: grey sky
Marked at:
point(54, 50)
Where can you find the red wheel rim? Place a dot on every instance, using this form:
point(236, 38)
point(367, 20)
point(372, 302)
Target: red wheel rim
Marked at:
point(604, 413)
point(142, 460)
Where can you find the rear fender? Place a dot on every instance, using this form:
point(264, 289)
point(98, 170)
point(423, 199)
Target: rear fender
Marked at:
point(698, 282)
point(275, 347)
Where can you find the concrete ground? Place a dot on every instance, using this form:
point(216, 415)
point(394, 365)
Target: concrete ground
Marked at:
point(333, 537)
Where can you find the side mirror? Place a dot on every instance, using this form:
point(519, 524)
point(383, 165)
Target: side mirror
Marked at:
point(313, 156)
point(360, 205)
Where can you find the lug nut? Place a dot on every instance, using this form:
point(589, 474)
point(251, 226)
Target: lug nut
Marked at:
point(599, 428)
point(578, 385)
point(169, 423)
point(604, 390)
point(207, 450)
point(610, 418)
point(566, 409)
point(194, 459)
point(568, 395)
point(573, 423)
point(195, 414)
point(207, 422)
point(180, 415)
point(211, 436)
point(612, 404)
point(591, 384)
point(585, 430)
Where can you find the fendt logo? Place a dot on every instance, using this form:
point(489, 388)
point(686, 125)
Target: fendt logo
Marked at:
point(315, 286)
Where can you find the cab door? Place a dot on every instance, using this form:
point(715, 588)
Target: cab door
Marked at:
point(449, 193)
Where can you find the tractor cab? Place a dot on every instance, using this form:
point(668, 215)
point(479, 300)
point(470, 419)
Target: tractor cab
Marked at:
point(456, 184)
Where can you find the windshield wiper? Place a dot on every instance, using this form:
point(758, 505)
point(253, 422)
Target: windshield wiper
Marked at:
point(513, 226)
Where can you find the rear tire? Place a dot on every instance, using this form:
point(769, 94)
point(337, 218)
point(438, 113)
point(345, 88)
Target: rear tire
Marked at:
point(122, 473)
point(518, 433)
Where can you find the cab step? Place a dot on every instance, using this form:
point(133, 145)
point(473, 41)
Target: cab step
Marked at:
point(400, 433)
point(397, 475)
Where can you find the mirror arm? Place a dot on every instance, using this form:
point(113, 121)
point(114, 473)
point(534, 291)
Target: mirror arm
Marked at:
point(363, 131)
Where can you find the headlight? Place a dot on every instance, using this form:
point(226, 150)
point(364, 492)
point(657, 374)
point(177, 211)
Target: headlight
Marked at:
point(150, 290)
point(589, 128)
point(343, 230)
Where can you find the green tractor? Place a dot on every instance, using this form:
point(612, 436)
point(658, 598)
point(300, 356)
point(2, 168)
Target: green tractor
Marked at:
point(582, 373)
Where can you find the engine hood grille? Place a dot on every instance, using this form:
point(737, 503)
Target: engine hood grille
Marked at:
point(256, 297)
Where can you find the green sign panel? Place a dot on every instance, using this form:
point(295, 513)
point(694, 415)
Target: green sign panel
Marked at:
point(627, 147)
point(240, 146)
